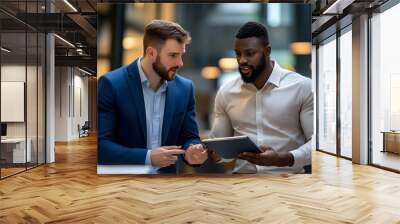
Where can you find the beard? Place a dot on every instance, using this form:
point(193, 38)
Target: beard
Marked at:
point(162, 71)
point(256, 71)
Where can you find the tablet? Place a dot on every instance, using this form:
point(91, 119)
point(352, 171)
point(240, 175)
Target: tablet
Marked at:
point(231, 147)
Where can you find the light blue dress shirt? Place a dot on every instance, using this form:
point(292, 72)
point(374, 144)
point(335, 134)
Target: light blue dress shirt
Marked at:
point(154, 102)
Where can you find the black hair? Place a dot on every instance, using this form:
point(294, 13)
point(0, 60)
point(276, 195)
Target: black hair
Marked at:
point(253, 29)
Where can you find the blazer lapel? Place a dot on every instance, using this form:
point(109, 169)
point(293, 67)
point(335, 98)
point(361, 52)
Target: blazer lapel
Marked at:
point(169, 110)
point(137, 99)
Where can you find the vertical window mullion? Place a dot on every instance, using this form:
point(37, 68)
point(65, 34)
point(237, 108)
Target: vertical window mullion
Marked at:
point(338, 73)
point(317, 96)
point(26, 86)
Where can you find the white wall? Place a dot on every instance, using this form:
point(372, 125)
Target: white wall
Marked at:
point(71, 94)
point(61, 103)
point(13, 73)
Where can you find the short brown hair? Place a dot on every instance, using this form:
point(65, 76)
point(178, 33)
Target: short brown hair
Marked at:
point(158, 31)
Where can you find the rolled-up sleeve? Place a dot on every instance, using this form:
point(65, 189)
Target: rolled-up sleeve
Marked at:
point(302, 155)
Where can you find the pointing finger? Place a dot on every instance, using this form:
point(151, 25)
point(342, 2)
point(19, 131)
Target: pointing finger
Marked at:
point(175, 151)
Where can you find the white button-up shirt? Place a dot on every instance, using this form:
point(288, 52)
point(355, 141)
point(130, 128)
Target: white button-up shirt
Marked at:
point(279, 115)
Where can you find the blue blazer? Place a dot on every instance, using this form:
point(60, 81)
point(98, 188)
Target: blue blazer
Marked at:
point(122, 118)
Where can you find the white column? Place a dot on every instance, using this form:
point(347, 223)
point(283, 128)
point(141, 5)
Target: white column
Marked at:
point(360, 90)
point(50, 92)
point(50, 100)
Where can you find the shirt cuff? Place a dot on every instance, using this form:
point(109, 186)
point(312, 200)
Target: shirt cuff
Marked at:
point(148, 161)
point(299, 159)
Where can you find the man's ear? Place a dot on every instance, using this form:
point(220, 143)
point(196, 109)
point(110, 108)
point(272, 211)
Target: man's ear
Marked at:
point(151, 52)
point(267, 51)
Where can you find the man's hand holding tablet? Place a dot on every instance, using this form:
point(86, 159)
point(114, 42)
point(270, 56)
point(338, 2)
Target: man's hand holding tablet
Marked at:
point(230, 147)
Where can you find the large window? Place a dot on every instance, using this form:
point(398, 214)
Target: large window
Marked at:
point(327, 96)
point(346, 93)
point(385, 89)
point(335, 74)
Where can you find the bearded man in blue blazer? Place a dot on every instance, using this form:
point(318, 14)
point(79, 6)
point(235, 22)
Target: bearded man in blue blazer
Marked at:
point(146, 112)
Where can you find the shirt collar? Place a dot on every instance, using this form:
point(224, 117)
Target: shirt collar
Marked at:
point(274, 78)
point(276, 75)
point(145, 81)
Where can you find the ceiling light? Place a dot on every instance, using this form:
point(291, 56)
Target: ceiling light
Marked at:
point(301, 48)
point(129, 43)
point(228, 64)
point(70, 5)
point(139, 6)
point(84, 71)
point(65, 41)
point(210, 72)
point(5, 50)
point(337, 7)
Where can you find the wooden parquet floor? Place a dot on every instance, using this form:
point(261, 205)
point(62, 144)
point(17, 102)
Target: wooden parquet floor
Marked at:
point(70, 191)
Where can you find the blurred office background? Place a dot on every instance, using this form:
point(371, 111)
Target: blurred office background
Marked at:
point(209, 60)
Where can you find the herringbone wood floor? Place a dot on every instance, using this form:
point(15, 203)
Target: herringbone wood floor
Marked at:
point(70, 191)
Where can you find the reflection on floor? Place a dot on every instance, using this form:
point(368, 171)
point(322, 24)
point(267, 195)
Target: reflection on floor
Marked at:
point(386, 159)
point(10, 169)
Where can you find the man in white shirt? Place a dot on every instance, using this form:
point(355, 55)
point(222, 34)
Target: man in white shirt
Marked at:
point(271, 105)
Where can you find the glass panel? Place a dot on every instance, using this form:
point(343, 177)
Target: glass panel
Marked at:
point(13, 87)
point(22, 63)
point(31, 97)
point(327, 96)
point(385, 89)
point(346, 94)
